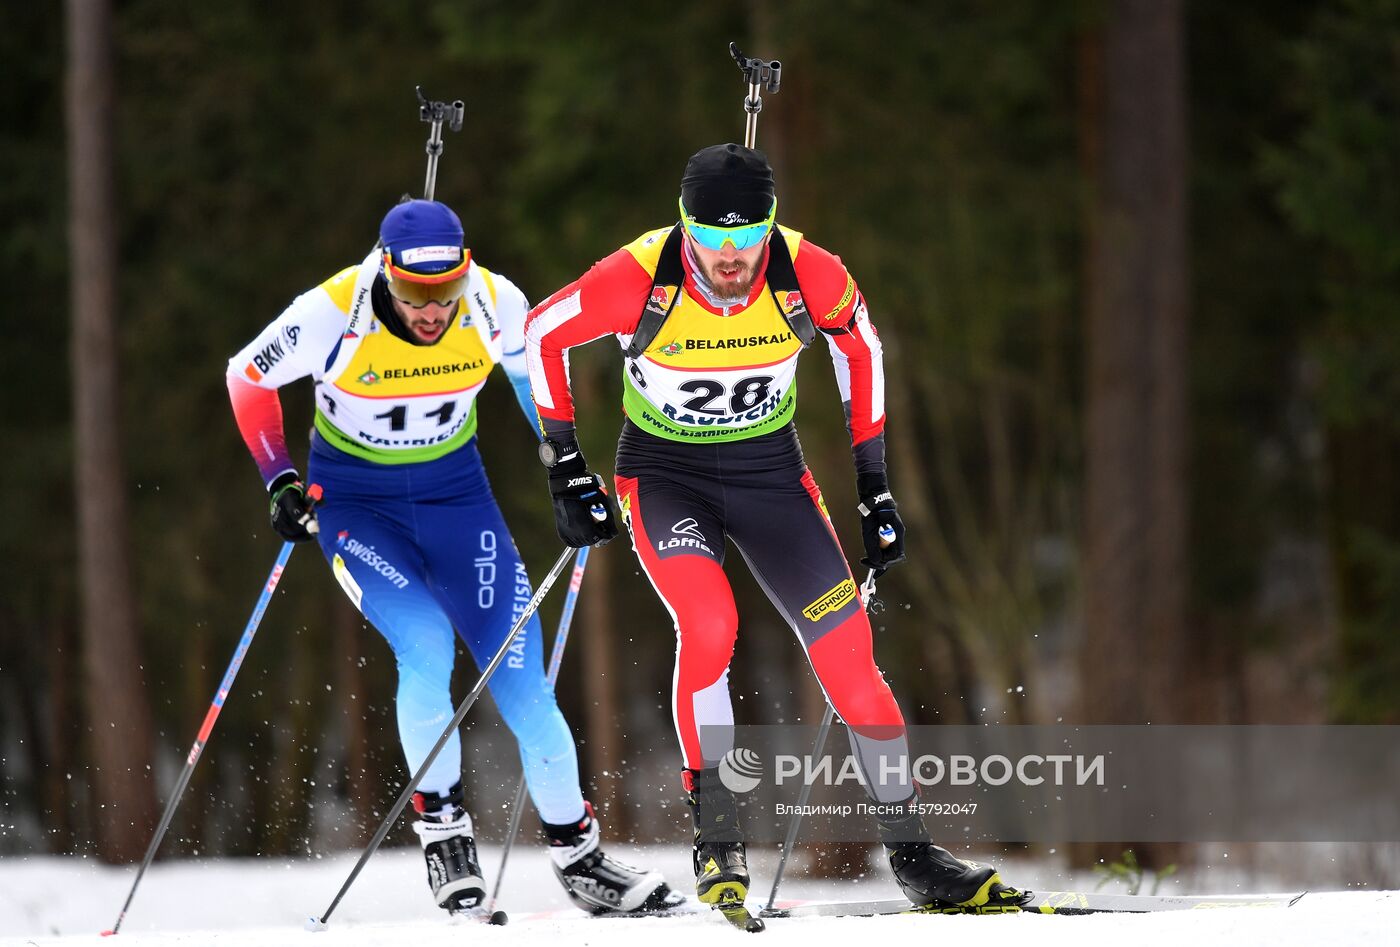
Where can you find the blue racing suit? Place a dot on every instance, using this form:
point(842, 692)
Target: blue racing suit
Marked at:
point(408, 521)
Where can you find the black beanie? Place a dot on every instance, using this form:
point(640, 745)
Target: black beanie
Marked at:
point(727, 186)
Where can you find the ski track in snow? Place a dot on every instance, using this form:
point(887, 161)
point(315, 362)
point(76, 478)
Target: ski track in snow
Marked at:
point(48, 901)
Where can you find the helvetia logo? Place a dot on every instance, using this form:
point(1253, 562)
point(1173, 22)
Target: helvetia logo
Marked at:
point(741, 770)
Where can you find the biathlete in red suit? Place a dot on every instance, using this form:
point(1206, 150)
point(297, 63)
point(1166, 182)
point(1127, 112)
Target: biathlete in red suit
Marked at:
point(708, 451)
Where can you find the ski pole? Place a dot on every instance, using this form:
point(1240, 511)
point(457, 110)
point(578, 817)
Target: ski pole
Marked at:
point(556, 657)
point(867, 589)
point(319, 924)
point(210, 716)
point(435, 113)
point(758, 74)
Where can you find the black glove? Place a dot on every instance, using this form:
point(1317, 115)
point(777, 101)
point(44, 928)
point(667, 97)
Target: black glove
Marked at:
point(583, 513)
point(293, 509)
point(880, 525)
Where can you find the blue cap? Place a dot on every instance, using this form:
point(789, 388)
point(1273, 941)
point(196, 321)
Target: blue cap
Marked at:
point(422, 236)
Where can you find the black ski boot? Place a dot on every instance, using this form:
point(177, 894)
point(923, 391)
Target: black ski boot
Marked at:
point(599, 883)
point(445, 830)
point(720, 861)
point(934, 880)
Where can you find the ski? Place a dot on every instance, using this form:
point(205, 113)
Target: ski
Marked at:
point(732, 909)
point(481, 915)
point(465, 916)
point(1044, 902)
point(684, 908)
point(730, 904)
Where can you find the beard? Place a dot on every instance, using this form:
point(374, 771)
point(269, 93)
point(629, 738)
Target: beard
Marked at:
point(427, 331)
point(417, 325)
point(733, 286)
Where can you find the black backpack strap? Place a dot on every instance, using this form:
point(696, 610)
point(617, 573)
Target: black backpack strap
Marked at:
point(782, 282)
point(665, 293)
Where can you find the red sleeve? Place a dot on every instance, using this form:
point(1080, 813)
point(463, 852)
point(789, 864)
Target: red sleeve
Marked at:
point(607, 300)
point(839, 311)
point(828, 290)
point(259, 415)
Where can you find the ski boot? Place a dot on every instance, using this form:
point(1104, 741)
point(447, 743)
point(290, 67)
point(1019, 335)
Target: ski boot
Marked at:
point(599, 883)
point(445, 829)
point(720, 861)
point(935, 881)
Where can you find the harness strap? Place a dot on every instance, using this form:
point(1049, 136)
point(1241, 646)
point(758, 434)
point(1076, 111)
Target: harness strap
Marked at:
point(665, 293)
point(782, 283)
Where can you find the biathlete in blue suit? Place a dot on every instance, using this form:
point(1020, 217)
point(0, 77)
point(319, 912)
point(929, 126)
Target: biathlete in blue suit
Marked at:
point(398, 346)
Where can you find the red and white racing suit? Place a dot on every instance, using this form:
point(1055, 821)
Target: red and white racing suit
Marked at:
point(709, 452)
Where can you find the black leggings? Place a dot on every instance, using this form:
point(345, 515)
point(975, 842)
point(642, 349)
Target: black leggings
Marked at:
point(680, 501)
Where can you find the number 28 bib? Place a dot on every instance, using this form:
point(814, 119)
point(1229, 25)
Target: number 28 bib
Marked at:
point(707, 377)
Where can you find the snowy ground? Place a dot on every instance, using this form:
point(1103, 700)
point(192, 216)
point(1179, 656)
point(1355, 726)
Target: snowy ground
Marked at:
point(66, 902)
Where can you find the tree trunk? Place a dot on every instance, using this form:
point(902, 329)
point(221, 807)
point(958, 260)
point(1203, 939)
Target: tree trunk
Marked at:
point(1135, 575)
point(119, 718)
point(1133, 136)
